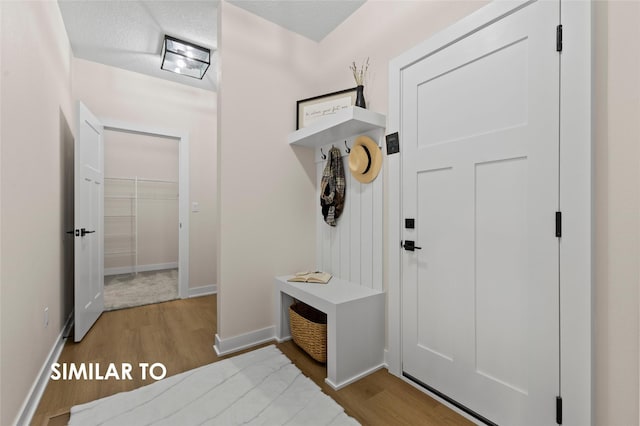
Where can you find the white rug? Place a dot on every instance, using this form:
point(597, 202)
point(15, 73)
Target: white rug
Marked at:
point(261, 387)
point(129, 290)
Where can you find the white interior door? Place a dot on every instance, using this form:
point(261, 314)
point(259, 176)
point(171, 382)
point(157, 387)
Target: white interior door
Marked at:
point(89, 219)
point(480, 125)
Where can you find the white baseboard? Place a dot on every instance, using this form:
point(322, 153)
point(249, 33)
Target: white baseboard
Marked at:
point(140, 268)
point(384, 359)
point(283, 339)
point(244, 341)
point(203, 290)
point(30, 404)
point(340, 385)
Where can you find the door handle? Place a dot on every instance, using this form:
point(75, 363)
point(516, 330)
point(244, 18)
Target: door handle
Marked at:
point(409, 245)
point(84, 232)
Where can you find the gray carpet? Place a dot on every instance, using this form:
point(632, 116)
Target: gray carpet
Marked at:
point(143, 288)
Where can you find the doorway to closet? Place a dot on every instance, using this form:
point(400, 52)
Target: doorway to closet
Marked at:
point(141, 218)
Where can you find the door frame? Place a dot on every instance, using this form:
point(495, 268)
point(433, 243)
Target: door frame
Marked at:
point(183, 187)
point(576, 188)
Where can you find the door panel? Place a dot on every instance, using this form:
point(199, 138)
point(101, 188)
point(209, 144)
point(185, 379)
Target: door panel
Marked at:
point(497, 99)
point(89, 218)
point(435, 316)
point(501, 270)
point(480, 175)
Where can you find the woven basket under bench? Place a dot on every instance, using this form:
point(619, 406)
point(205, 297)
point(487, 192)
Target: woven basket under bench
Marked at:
point(309, 330)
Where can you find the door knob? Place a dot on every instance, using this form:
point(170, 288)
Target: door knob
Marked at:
point(84, 232)
point(409, 245)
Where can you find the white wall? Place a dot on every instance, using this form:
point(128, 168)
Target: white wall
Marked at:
point(381, 30)
point(266, 188)
point(617, 211)
point(1, 258)
point(36, 116)
point(135, 98)
point(128, 154)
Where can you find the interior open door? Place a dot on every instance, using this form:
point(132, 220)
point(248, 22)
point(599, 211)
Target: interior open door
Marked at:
point(89, 219)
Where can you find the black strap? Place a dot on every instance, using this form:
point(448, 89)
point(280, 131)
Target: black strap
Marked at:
point(368, 158)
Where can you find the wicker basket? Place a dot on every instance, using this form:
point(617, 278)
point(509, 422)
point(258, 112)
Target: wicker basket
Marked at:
point(309, 330)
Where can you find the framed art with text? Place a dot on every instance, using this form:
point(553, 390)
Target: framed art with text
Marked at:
point(311, 109)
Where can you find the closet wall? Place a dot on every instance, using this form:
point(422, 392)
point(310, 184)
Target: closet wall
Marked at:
point(141, 202)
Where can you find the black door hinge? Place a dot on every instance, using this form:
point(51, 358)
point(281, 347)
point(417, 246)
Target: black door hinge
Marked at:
point(559, 410)
point(558, 224)
point(559, 38)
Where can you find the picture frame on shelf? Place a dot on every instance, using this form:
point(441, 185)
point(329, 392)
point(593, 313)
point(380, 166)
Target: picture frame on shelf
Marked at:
point(310, 109)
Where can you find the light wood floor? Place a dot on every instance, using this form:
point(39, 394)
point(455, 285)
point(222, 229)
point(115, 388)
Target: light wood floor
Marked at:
point(180, 335)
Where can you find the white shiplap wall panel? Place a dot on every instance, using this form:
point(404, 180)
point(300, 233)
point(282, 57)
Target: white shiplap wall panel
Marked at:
point(355, 192)
point(334, 248)
point(366, 235)
point(345, 229)
point(377, 245)
point(352, 250)
point(320, 235)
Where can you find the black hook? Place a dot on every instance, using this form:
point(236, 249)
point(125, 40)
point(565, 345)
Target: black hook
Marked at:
point(324, 156)
point(347, 146)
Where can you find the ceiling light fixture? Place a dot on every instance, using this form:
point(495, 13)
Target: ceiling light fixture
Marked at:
point(185, 58)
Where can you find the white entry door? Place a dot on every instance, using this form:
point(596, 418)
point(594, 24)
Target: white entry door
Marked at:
point(89, 219)
point(480, 167)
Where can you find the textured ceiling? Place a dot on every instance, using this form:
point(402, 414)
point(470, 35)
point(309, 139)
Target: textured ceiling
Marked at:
point(128, 34)
point(313, 19)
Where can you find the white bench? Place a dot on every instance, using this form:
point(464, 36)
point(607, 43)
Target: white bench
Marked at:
point(355, 324)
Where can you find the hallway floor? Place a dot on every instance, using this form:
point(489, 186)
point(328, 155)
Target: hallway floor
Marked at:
point(180, 334)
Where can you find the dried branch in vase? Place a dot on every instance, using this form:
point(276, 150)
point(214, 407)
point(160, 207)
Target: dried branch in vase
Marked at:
point(359, 73)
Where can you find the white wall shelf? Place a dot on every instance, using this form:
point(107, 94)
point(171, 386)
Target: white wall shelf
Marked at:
point(341, 125)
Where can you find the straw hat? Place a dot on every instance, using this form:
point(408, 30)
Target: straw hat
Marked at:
point(365, 159)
